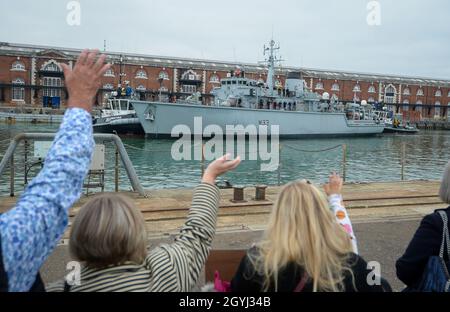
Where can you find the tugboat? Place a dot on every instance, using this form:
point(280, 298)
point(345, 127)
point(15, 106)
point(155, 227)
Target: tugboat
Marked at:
point(247, 102)
point(118, 116)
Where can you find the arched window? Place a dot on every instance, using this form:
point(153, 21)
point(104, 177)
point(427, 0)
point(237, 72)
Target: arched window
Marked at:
point(52, 67)
point(357, 88)
point(419, 106)
point(163, 89)
point(371, 100)
point(141, 74)
point(108, 86)
point(109, 73)
point(18, 91)
point(420, 92)
point(405, 104)
point(319, 85)
point(372, 89)
point(335, 87)
point(406, 91)
point(163, 75)
point(214, 79)
point(190, 75)
point(18, 66)
point(437, 108)
point(438, 93)
point(389, 94)
point(141, 88)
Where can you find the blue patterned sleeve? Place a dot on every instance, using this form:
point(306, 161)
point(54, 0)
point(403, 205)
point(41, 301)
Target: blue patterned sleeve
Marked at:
point(31, 230)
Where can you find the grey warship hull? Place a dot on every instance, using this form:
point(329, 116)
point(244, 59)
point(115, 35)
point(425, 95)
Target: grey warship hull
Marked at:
point(159, 119)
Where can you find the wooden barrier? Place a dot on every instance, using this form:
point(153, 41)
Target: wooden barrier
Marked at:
point(226, 262)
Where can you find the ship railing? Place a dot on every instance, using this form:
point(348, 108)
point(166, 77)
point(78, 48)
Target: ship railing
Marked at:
point(120, 152)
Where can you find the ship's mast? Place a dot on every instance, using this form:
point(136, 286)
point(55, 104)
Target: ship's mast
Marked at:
point(271, 64)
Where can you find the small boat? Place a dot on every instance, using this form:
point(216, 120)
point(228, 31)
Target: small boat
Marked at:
point(118, 116)
point(394, 123)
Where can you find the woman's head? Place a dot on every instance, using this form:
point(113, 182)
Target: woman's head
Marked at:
point(444, 192)
point(303, 230)
point(108, 230)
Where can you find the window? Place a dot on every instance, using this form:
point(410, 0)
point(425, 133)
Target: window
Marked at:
point(405, 104)
point(189, 89)
point(214, 79)
point(52, 67)
point(190, 75)
point(52, 82)
point(371, 100)
point(141, 88)
point(372, 89)
point(18, 66)
point(437, 108)
point(389, 94)
point(419, 106)
point(18, 92)
point(108, 86)
point(163, 89)
point(319, 85)
point(420, 92)
point(141, 74)
point(335, 87)
point(406, 91)
point(357, 88)
point(109, 73)
point(163, 75)
point(448, 95)
point(438, 93)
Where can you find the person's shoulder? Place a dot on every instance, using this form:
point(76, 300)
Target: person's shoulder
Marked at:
point(435, 218)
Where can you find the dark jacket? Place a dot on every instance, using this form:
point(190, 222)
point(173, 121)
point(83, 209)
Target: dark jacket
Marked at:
point(247, 280)
point(425, 243)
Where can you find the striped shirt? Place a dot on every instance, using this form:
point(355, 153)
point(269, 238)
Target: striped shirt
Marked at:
point(172, 267)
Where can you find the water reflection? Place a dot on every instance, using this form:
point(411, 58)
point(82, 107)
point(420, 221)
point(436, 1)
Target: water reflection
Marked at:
point(368, 159)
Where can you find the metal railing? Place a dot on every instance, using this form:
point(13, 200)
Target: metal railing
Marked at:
point(8, 157)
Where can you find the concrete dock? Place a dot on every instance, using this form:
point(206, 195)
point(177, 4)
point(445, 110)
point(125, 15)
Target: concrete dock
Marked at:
point(385, 216)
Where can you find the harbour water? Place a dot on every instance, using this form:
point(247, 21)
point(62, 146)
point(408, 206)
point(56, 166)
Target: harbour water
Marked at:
point(369, 159)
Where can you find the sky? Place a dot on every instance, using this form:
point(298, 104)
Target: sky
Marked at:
point(410, 37)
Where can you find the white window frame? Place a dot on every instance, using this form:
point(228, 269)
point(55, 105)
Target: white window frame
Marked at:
point(319, 85)
point(372, 89)
point(420, 92)
point(406, 91)
point(357, 88)
point(141, 74)
point(18, 91)
point(438, 93)
point(18, 66)
point(109, 73)
point(335, 87)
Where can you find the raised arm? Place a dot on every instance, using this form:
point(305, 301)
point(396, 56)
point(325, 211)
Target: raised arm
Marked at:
point(176, 267)
point(31, 230)
point(334, 192)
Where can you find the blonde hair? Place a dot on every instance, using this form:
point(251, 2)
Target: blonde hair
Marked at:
point(444, 191)
point(108, 231)
point(303, 230)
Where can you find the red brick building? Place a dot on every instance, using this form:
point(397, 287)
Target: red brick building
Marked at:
point(31, 76)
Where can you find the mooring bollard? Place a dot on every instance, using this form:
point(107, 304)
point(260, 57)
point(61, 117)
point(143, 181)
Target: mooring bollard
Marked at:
point(260, 192)
point(238, 194)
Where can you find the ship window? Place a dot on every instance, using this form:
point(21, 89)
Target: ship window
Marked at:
point(123, 105)
point(233, 82)
point(130, 107)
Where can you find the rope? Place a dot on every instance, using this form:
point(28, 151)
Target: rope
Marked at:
point(313, 151)
point(152, 151)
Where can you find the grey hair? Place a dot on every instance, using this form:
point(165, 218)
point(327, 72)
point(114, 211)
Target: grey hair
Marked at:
point(444, 192)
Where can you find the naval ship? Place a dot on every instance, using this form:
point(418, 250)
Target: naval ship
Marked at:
point(241, 101)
